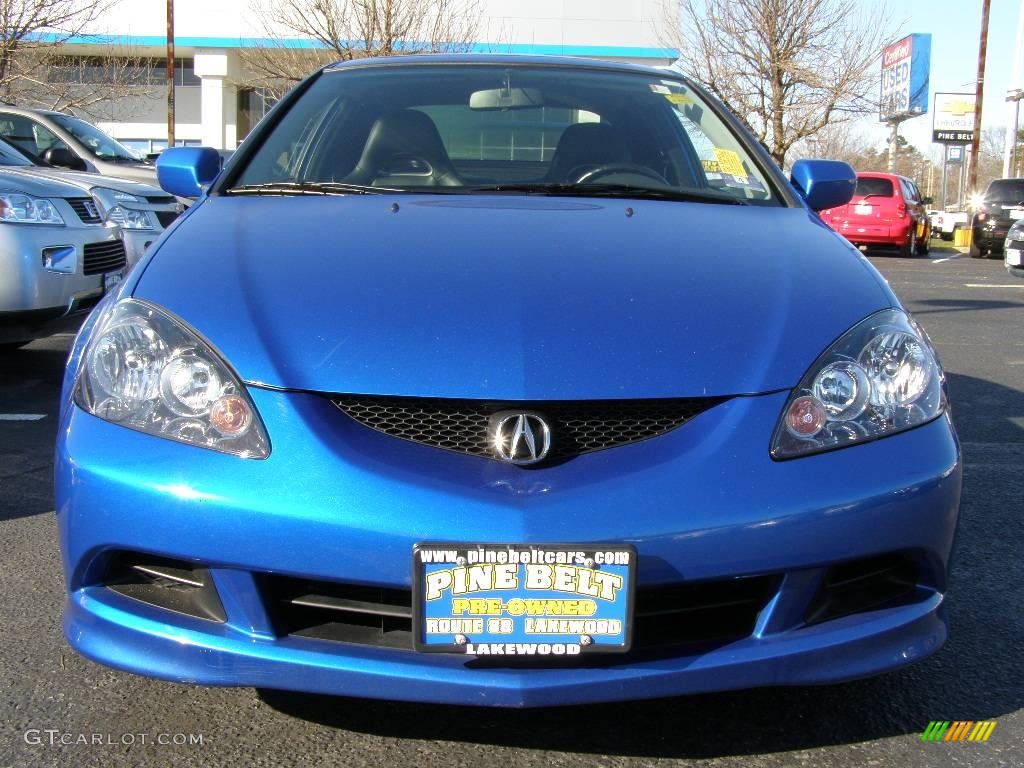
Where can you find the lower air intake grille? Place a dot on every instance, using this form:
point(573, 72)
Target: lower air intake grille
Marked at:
point(864, 585)
point(577, 427)
point(665, 617)
point(104, 257)
point(174, 585)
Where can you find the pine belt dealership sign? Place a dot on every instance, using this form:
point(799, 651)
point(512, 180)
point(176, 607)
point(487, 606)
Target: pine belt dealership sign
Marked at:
point(953, 118)
point(905, 66)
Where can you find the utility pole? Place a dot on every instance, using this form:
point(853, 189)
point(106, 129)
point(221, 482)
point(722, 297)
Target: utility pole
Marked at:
point(1014, 96)
point(170, 73)
point(979, 94)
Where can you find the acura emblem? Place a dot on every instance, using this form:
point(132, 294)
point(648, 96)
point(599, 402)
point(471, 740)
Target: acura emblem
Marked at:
point(519, 437)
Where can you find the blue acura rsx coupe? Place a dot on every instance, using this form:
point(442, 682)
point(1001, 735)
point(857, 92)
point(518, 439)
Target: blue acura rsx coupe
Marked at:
point(506, 381)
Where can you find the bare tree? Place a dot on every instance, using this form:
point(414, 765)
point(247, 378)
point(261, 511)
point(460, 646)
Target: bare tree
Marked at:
point(788, 68)
point(839, 140)
point(29, 29)
point(306, 34)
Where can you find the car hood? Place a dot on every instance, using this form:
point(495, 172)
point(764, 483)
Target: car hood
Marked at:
point(143, 172)
point(88, 181)
point(28, 181)
point(512, 298)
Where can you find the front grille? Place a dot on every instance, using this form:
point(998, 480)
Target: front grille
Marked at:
point(576, 426)
point(85, 209)
point(104, 257)
point(664, 617)
point(166, 218)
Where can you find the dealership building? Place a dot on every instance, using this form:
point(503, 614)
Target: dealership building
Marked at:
point(215, 106)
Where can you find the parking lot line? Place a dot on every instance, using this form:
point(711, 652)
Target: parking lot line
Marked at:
point(22, 416)
point(994, 285)
point(947, 258)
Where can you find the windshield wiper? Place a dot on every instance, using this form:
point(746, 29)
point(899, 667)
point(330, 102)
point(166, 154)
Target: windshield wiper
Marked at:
point(306, 188)
point(610, 190)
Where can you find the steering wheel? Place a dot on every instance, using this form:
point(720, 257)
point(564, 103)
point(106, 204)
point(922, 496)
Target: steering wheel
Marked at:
point(585, 174)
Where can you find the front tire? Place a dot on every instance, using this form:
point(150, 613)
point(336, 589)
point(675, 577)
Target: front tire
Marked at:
point(978, 253)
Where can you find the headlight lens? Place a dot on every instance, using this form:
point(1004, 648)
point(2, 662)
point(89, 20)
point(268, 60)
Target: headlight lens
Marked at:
point(129, 218)
point(880, 378)
point(146, 370)
point(25, 209)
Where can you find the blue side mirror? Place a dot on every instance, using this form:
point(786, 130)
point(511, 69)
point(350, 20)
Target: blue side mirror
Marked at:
point(823, 183)
point(186, 171)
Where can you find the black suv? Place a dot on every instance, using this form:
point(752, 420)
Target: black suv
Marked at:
point(1002, 205)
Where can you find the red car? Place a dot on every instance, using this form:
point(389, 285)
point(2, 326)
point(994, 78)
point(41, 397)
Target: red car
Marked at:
point(886, 209)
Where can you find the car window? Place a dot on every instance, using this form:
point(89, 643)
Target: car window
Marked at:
point(1005, 191)
point(466, 127)
point(909, 191)
point(875, 187)
point(9, 156)
point(28, 135)
point(101, 145)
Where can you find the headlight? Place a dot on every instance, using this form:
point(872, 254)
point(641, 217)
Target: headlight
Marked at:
point(25, 209)
point(129, 218)
point(145, 370)
point(116, 208)
point(880, 378)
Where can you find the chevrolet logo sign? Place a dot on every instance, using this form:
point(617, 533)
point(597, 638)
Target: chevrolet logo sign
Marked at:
point(958, 108)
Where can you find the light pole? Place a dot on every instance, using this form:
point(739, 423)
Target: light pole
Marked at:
point(170, 73)
point(1010, 156)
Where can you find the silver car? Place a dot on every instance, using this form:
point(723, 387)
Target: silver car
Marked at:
point(140, 210)
point(70, 142)
point(57, 256)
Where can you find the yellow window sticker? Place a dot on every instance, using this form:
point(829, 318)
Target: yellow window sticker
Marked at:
point(729, 162)
point(679, 98)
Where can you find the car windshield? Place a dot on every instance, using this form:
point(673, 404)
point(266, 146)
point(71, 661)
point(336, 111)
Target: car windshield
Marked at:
point(96, 141)
point(477, 129)
point(874, 187)
point(1005, 191)
point(9, 156)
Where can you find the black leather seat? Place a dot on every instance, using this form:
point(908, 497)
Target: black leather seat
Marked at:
point(587, 145)
point(404, 149)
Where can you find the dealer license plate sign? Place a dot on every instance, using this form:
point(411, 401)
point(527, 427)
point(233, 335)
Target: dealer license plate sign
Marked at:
point(523, 600)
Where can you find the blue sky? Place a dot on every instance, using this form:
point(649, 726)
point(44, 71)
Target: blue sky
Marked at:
point(955, 28)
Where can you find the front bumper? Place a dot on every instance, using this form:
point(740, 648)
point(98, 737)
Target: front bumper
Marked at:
point(34, 300)
point(338, 502)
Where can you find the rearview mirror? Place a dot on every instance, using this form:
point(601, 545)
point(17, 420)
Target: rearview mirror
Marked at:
point(927, 200)
point(823, 183)
point(506, 98)
point(62, 157)
point(187, 171)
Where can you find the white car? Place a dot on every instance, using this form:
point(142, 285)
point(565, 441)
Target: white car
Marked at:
point(1013, 251)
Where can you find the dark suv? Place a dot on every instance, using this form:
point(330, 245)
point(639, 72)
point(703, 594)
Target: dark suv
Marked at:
point(1001, 206)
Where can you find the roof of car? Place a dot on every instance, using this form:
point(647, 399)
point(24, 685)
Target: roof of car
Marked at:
point(503, 58)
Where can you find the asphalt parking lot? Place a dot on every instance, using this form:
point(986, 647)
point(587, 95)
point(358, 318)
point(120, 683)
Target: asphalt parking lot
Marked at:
point(973, 311)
